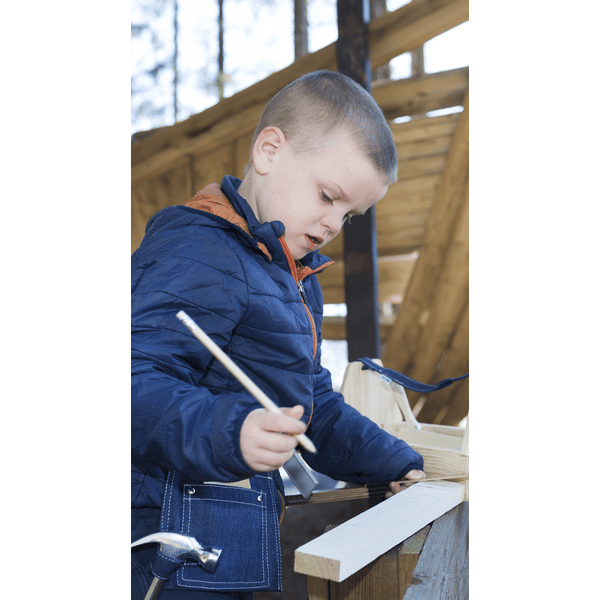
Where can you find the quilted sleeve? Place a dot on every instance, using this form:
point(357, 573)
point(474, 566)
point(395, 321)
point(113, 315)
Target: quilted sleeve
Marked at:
point(184, 414)
point(350, 446)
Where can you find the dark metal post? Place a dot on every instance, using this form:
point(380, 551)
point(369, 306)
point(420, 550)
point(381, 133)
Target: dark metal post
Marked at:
point(360, 237)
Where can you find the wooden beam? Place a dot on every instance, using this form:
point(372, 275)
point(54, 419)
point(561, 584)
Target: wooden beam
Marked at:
point(403, 351)
point(443, 315)
point(224, 132)
point(360, 237)
point(410, 97)
point(450, 405)
point(397, 98)
point(387, 577)
point(344, 550)
point(396, 32)
point(421, 130)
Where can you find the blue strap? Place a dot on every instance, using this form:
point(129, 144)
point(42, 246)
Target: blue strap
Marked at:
point(407, 382)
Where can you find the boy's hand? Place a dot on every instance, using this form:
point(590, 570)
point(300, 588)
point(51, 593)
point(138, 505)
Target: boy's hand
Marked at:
point(266, 439)
point(396, 486)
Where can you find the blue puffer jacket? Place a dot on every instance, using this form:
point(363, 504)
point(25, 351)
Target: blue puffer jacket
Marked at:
point(236, 279)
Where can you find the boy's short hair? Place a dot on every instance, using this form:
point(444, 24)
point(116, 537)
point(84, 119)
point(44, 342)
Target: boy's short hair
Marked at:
point(319, 102)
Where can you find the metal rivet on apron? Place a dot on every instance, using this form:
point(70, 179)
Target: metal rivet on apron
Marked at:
point(260, 498)
point(191, 491)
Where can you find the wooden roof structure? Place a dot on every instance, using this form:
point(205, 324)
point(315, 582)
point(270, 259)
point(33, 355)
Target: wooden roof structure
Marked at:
point(425, 213)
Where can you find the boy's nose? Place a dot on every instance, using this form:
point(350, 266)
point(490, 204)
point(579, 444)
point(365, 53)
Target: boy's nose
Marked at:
point(334, 224)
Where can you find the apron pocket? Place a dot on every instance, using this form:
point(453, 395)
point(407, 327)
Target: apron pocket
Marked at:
point(242, 522)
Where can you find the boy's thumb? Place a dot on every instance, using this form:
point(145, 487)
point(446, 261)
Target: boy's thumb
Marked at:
point(295, 412)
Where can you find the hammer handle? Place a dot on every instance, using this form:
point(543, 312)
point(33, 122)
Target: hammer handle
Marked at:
point(155, 588)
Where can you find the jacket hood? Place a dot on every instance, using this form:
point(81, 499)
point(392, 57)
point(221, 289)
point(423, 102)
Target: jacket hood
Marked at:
point(224, 201)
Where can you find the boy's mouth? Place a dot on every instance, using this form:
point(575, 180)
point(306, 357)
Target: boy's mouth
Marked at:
point(314, 242)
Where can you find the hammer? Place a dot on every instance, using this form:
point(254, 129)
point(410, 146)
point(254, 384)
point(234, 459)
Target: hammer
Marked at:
point(174, 548)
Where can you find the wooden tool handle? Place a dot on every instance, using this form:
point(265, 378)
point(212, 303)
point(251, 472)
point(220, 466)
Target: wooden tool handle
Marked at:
point(260, 396)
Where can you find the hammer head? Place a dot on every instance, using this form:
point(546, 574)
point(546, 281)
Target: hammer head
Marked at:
point(180, 545)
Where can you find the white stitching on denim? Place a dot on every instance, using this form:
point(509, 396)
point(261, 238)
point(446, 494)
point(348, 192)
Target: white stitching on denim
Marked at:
point(262, 506)
point(234, 584)
point(166, 515)
point(278, 540)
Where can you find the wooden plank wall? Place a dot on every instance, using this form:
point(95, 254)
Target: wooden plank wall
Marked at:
point(171, 165)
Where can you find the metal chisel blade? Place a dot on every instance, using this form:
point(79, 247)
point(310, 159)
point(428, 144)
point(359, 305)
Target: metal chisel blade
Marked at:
point(299, 472)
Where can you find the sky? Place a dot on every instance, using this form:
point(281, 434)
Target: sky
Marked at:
point(266, 28)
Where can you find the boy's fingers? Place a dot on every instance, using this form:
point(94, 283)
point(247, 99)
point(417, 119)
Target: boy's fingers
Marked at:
point(277, 442)
point(285, 423)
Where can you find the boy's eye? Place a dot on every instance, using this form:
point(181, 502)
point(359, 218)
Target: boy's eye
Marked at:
point(326, 198)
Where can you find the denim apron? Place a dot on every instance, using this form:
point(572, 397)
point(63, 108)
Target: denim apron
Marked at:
point(242, 522)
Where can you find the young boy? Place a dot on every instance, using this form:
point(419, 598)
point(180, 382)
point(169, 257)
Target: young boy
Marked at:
point(240, 259)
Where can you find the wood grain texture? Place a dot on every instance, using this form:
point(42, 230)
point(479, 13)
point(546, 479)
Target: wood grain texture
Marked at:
point(387, 578)
point(443, 567)
point(343, 551)
point(437, 295)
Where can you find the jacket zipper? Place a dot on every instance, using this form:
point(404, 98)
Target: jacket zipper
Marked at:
point(300, 285)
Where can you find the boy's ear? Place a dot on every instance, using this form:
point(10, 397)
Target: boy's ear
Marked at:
point(266, 149)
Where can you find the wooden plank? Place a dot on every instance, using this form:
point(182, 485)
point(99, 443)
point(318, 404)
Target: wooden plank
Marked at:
point(425, 165)
point(417, 130)
point(387, 577)
point(318, 589)
point(418, 96)
point(174, 187)
point(242, 154)
point(414, 27)
point(432, 269)
point(431, 146)
point(425, 438)
point(367, 392)
point(442, 569)
point(344, 550)
point(210, 167)
point(408, 558)
point(442, 461)
point(223, 133)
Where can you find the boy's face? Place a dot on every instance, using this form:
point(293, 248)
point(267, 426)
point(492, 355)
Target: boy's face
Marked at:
point(313, 193)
